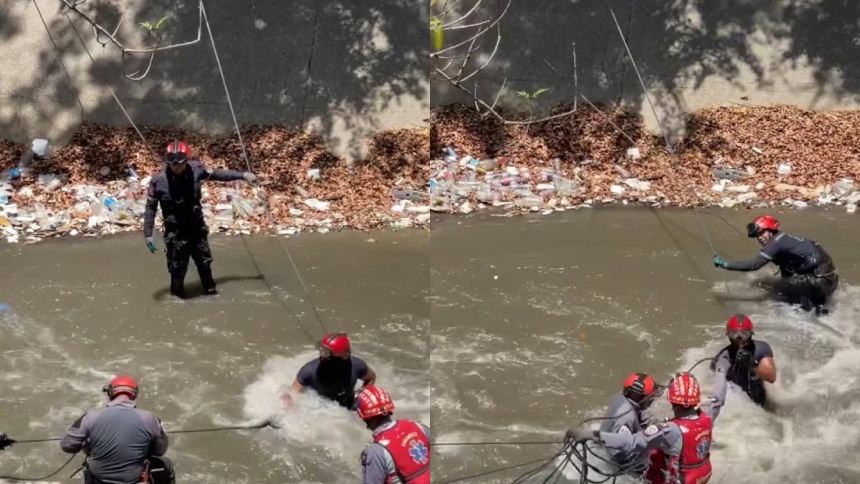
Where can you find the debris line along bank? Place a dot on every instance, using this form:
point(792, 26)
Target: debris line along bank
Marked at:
point(96, 184)
point(753, 157)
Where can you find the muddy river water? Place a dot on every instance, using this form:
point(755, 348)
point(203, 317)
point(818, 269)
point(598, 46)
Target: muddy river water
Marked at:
point(489, 328)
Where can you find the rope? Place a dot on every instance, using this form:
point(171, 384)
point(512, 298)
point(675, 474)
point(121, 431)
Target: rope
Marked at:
point(262, 425)
point(673, 154)
point(267, 423)
point(568, 449)
point(42, 478)
point(248, 165)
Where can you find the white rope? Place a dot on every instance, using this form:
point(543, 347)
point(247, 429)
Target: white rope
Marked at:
point(248, 164)
point(226, 90)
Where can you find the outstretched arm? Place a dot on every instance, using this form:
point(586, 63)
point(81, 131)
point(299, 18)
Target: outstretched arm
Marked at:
point(748, 265)
point(224, 175)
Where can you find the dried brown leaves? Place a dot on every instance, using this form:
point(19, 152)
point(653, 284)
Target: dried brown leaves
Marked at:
point(278, 155)
point(820, 147)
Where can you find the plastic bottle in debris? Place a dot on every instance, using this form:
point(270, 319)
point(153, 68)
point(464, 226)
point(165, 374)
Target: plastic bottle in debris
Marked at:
point(133, 184)
point(492, 164)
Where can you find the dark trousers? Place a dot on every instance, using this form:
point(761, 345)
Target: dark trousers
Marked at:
point(160, 472)
point(179, 249)
point(807, 290)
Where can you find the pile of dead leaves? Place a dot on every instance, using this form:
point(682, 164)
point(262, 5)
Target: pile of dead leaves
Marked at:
point(280, 156)
point(820, 147)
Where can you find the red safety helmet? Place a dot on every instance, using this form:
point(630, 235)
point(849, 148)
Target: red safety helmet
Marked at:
point(373, 401)
point(684, 390)
point(760, 224)
point(739, 326)
point(122, 385)
point(334, 344)
point(639, 385)
point(177, 152)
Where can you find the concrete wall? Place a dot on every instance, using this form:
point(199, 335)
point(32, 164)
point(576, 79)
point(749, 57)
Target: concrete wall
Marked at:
point(691, 53)
point(343, 69)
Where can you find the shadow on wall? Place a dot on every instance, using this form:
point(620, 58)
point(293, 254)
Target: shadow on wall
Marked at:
point(341, 68)
point(799, 52)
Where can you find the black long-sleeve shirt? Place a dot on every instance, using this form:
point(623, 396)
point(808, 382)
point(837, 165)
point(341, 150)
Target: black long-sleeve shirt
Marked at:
point(180, 197)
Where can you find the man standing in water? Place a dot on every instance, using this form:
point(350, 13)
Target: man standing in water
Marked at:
point(744, 362)
point(400, 452)
point(334, 374)
point(680, 448)
point(178, 188)
point(626, 416)
point(123, 443)
point(808, 275)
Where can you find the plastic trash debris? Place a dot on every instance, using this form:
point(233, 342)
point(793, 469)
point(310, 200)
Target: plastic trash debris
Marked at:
point(729, 173)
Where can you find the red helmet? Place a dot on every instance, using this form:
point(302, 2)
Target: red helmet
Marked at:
point(122, 385)
point(177, 152)
point(684, 390)
point(765, 222)
point(739, 326)
point(374, 401)
point(639, 384)
point(334, 344)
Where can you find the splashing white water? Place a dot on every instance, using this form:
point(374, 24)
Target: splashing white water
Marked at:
point(319, 431)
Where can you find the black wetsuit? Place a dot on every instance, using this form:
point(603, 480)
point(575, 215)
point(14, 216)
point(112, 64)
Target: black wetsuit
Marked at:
point(185, 229)
point(743, 374)
point(808, 274)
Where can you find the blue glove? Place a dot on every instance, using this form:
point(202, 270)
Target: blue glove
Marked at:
point(719, 262)
point(150, 244)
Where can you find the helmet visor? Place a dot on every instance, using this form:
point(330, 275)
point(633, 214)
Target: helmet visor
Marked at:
point(176, 157)
point(753, 230)
point(742, 334)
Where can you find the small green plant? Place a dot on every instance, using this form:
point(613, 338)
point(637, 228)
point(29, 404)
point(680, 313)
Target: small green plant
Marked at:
point(153, 28)
point(437, 33)
point(530, 97)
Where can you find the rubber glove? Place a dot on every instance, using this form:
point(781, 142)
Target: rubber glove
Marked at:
point(150, 244)
point(250, 178)
point(5, 441)
point(719, 262)
point(744, 358)
point(580, 434)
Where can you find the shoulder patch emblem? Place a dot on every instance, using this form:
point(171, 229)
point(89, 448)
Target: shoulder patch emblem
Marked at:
point(651, 430)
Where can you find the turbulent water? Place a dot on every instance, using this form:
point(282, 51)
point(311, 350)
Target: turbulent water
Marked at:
point(84, 311)
point(541, 320)
point(535, 323)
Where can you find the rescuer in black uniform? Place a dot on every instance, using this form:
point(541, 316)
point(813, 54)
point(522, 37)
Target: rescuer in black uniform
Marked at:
point(178, 189)
point(808, 275)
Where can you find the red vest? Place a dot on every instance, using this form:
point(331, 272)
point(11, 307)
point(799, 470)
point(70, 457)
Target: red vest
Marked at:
point(693, 466)
point(409, 447)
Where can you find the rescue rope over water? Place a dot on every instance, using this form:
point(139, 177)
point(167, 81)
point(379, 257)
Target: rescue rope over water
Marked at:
point(248, 165)
point(262, 425)
point(568, 450)
point(146, 143)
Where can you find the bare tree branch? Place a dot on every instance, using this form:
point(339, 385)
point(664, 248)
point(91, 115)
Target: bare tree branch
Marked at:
point(462, 51)
point(104, 37)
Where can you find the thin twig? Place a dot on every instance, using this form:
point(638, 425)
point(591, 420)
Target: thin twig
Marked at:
point(608, 119)
point(575, 79)
point(72, 5)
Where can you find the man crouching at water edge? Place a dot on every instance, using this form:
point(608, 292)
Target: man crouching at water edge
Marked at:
point(124, 445)
point(680, 447)
point(626, 416)
point(334, 374)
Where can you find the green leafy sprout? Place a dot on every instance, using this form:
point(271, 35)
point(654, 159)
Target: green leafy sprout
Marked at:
point(153, 28)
